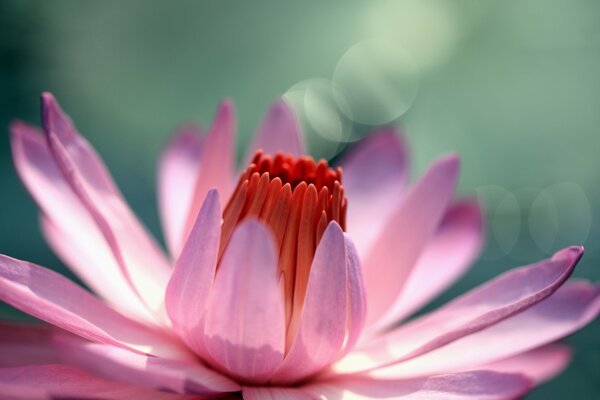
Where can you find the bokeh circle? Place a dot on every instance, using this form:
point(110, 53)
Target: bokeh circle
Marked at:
point(377, 82)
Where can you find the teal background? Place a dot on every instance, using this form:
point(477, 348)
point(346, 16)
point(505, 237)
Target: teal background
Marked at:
point(512, 86)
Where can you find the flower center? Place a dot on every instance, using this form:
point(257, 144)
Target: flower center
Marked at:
point(296, 198)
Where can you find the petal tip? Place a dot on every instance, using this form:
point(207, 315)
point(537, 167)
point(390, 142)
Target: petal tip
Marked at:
point(387, 137)
point(49, 105)
point(451, 160)
point(47, 98)
point(572, 254)
point(333, 236)
point(226, 106)
point(19, 133)
point(15, 127)
point(280, 107)
point(224, 115)
point(212, 201)
point(389, 131)
point(334, 228)
point(448, 165)
point(210, 206)
point(213, 194)
point(54, 119)
point(473, 206)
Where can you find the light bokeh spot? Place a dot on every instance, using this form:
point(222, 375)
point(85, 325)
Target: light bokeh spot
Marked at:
point(325, 127)
point(379, 81)
point(429, 29)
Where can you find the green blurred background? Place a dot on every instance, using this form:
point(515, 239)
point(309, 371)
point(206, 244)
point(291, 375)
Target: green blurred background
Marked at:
point(513, 86)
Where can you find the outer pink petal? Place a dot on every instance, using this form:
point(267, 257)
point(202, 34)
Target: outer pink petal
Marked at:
point(541, 364)
point(480, 385)
point(151, 372)
point(72, 233)
point(53, 298)
point(26, 344)
point(218, 161)
point(139, 257)
point(245, 323)
point(323, 323)
point(569, 309)
point(178, 172)
point(407, 231)
point(278, 132)
point(375, 176)
point(54, 381)
point(274, 393)
point(83, 154)
point(503, 297)
point(192, 279)
point(455, 245)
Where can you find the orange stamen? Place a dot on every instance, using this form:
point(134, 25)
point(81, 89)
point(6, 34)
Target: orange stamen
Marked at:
point(296, 198)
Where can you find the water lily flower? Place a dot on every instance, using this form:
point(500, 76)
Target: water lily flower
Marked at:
point(288, 280)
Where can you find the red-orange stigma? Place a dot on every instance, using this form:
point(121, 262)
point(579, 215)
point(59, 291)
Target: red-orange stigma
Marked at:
point(296, 198)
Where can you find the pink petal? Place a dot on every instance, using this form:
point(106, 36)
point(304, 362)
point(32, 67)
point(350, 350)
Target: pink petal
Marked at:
point(278, 132)
point(446, 257)
point(218, 161)
point(357, 301)
point(82, 153)
point(157, 373)
point(178, 171)
point(26, 344)
point(53, 298)
point(567, 310)
point(245, 323)
point(375, 176)
point(503, 297)
point(139, 257)
point(192, 279)
point(323, 323)
point(54, 381)
point(406, 234)
point(541, 364)
point(72, 233)
point(274, 393)
point(480, 385)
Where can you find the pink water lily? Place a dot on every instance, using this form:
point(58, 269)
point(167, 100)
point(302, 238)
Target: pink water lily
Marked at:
point(287, 281)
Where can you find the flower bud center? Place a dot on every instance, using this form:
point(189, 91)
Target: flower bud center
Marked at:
point(296, 198)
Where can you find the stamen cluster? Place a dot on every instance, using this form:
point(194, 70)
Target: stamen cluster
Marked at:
point(296, 198)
